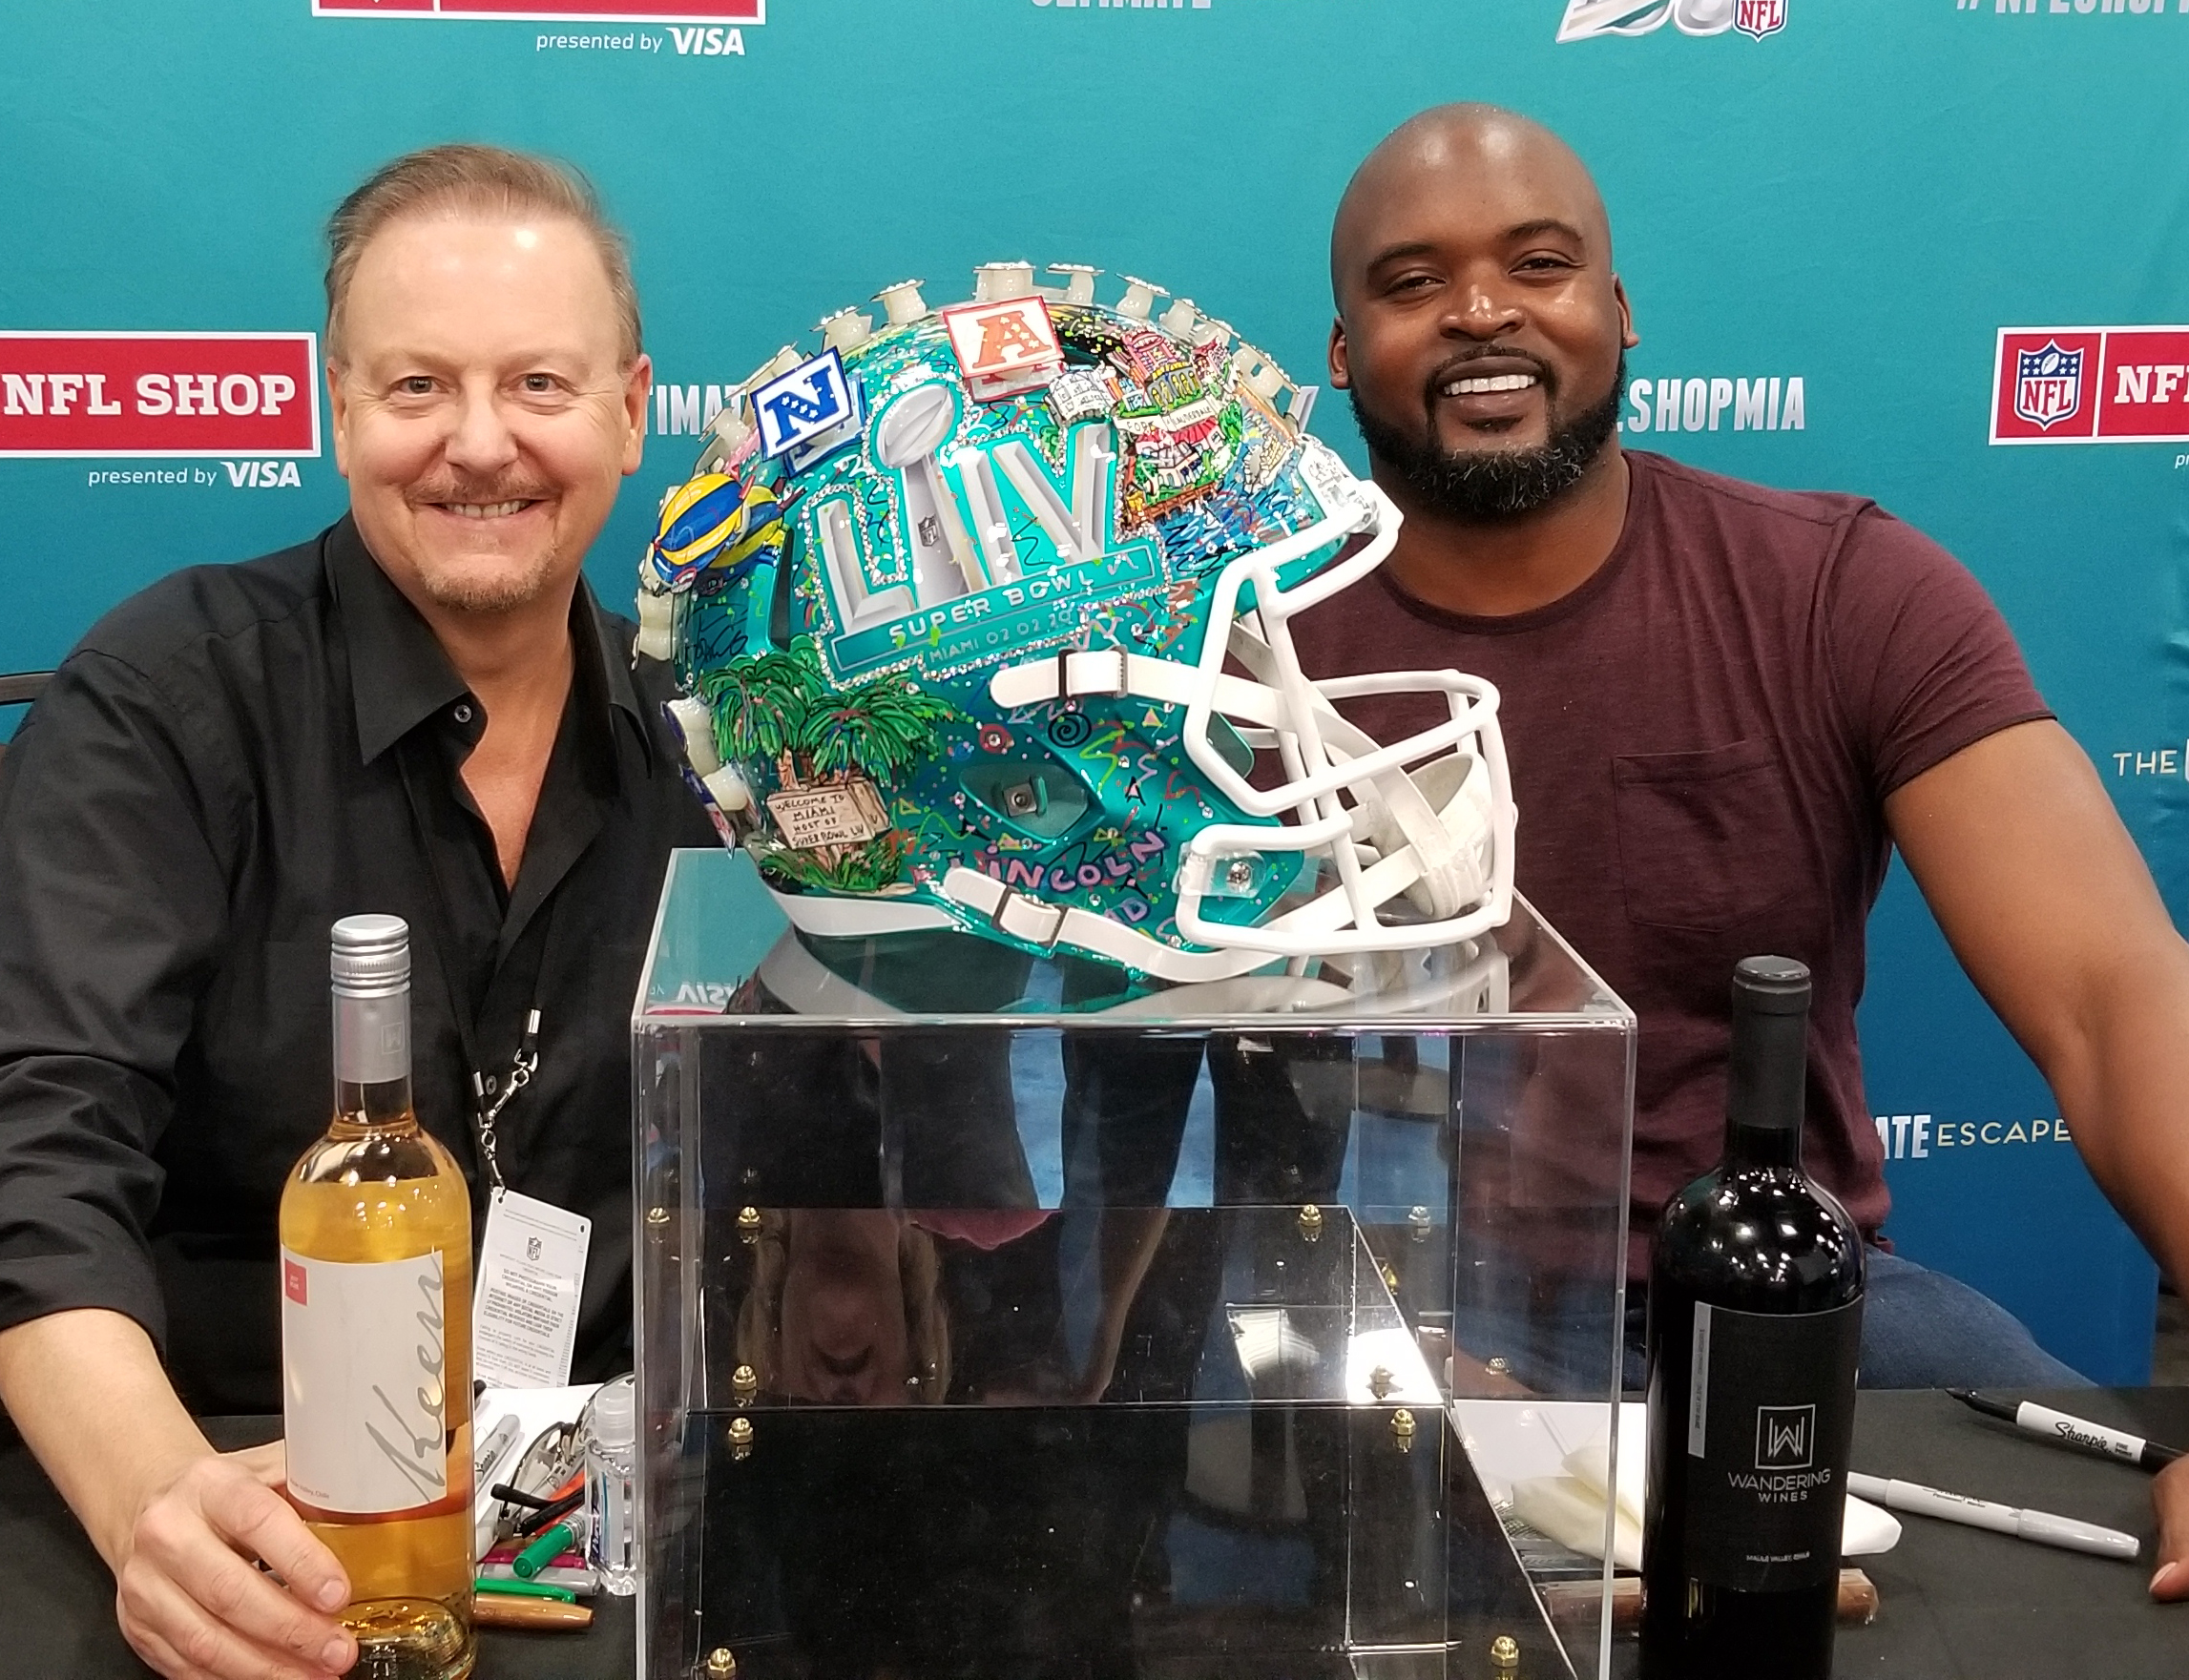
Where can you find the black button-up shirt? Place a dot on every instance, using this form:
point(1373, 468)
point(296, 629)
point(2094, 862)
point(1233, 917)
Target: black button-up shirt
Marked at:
point(229, 761)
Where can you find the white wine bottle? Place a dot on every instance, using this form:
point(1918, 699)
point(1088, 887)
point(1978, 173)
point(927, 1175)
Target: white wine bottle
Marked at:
point(376, 1334)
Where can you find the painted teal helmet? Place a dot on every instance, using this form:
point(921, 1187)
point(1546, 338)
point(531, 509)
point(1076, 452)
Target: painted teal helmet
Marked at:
point(981, 614)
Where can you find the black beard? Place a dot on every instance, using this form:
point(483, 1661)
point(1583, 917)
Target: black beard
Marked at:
point(1484, 487)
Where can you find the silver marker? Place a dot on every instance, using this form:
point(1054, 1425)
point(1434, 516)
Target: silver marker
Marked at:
point(2046, 1529)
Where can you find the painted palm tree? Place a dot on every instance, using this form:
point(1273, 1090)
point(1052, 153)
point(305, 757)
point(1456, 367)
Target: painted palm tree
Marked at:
point(878, 729)
point(778, 706)
point(762, 705)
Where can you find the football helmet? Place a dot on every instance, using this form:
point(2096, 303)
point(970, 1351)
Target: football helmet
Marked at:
point(982, 613)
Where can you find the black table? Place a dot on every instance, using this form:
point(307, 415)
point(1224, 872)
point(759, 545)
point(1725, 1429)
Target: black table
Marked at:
point(56, 1602)
point(1957, 1604)
point(1961, 1603)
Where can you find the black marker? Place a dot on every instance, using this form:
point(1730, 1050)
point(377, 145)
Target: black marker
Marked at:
point(2062, 1430)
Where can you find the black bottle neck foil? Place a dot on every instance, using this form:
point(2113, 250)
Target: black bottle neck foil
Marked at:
point(1767, 1080)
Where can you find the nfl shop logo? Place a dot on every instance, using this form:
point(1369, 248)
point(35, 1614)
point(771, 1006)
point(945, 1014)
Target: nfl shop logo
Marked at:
point(2090, 385)
point(2048, 384)
point(159, 393)
point(1760, 17)
point(565, 12)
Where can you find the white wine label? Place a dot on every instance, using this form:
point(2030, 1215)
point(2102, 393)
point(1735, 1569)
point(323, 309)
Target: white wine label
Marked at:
point(1771, 1419)
point(363, 1349)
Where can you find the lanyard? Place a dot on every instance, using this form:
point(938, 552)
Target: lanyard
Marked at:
point(522, 1065)
point(525, 1062)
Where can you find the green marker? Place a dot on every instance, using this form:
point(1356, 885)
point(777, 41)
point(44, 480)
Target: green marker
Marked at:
point(552, 1543)
point(524, 1589)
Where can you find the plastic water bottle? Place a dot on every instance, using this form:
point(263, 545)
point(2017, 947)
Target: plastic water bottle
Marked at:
point(611, 1471)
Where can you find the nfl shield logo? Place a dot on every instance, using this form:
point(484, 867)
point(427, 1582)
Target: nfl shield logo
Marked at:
point(2048, 386)
point(1760, 17)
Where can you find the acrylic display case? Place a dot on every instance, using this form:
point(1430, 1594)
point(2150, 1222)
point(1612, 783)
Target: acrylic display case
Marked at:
point(1002, 1317)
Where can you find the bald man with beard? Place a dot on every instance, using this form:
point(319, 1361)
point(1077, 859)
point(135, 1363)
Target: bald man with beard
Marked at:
point(1725, 705)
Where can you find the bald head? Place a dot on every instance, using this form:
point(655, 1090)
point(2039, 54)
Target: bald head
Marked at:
point(1459, 152)
point(1480, 327)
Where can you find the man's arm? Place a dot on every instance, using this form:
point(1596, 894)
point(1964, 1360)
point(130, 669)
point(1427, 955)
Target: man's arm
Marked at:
point(113, 909)
point(173, 1519)
point(2048, 904)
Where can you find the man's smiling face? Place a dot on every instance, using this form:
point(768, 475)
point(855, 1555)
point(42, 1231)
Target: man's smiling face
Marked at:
point(1480, 325)
point(482, 412)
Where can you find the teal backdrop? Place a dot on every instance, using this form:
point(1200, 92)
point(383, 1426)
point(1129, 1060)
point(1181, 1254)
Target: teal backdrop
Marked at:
point(1857, 194)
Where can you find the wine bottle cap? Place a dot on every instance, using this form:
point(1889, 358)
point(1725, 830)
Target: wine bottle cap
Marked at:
point(371, 956)
point(1771, 985)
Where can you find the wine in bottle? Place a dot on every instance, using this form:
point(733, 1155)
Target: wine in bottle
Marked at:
point(1755, 1325)
point(376, 1333)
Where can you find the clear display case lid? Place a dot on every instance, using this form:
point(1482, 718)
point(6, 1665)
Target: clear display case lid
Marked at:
point(722, 947)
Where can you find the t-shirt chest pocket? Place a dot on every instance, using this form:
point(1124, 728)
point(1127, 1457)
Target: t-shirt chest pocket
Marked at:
point(1709, 839)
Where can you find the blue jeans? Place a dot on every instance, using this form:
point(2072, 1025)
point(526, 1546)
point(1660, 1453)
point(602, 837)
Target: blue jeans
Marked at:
point(1922, 1329)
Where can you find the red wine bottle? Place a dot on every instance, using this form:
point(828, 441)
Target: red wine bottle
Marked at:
point(1755, 1325)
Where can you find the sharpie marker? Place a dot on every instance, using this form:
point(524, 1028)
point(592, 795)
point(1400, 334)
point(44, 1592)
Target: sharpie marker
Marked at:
point(2041, 1527)
point(493, 1448)
point(2063, 1430)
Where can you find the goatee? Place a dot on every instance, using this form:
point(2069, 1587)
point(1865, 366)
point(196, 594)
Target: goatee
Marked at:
point(1484, 487)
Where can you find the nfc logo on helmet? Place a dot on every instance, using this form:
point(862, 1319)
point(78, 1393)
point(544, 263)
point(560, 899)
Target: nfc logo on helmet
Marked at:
point(1785, 1436)
point(805, 407)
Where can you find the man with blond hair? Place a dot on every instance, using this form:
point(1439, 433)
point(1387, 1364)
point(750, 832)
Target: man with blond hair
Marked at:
point(421, 711)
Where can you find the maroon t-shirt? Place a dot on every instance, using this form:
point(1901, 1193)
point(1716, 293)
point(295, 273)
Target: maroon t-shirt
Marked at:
point(1701, 737)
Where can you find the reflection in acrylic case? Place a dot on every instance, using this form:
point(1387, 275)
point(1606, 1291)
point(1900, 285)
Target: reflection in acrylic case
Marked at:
point(1003, 1316)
